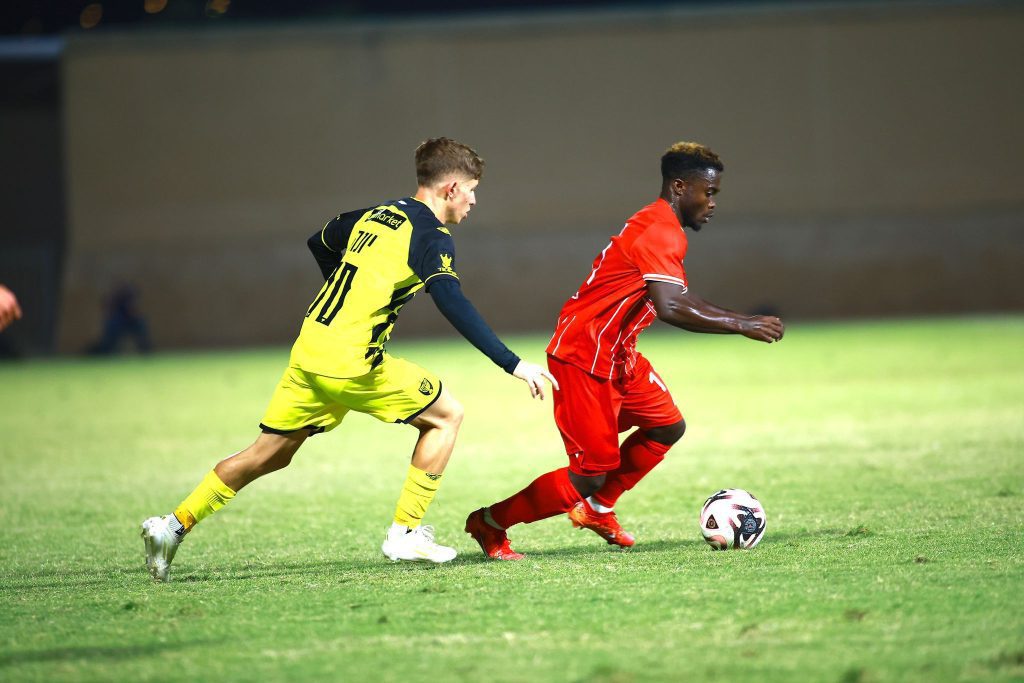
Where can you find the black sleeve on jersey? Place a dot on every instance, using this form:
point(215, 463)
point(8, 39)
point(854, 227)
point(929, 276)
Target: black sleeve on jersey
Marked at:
point(431, 251)
point(328, 244)
point(453, 304)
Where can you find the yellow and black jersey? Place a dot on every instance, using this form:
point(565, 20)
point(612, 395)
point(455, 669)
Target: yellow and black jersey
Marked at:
point(375, 260)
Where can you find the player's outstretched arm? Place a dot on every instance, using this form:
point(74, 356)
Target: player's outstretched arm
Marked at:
point(534, 376)
point(453, 304)
point(681, 309)
point(9, 308)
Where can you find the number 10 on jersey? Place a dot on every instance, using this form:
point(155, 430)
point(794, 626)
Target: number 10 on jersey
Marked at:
point(337, 285)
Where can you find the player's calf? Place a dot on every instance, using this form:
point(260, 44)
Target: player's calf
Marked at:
point(587, 484)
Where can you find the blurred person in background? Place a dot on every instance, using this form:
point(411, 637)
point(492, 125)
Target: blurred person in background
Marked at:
point(9, 308)
point(374, 261)
point(607, 386)
point(123, 320)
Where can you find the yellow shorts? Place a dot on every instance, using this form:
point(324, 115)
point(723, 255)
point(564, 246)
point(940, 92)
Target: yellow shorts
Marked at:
point(394, 391)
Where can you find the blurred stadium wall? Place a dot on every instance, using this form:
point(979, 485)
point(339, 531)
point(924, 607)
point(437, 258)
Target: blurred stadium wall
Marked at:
point(873, 158)
point(32, 211)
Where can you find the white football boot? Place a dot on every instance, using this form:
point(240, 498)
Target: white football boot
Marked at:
point(417, 545)
point(161, 544)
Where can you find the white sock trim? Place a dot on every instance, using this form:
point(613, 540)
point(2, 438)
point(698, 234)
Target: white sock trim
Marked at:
point(175, 526)
point(597, 506)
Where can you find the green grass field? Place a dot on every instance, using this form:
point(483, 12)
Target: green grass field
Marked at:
point(888, 456)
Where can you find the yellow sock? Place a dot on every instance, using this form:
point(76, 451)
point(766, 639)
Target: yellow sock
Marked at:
point(417, 493)
point(211, 495)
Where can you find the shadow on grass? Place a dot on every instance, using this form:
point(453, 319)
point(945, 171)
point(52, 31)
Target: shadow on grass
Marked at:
point(66, 654)
point(337, 571)
point(348, 571)
point(71, 579)
point(596, 552)
point(835, 532)
point(180, 573)
point(675, 545)
point(342, 571)
point(345, 571)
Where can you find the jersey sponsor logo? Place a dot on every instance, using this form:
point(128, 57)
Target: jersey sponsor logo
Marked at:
point(388, 218)
point(446, 264)
point(426, 388)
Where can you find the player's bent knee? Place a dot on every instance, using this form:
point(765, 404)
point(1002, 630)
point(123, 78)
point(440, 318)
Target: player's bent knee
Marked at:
point(587, 485)
point(455, 412)
point(450, 414)
point(669, 434)
point(446, 413)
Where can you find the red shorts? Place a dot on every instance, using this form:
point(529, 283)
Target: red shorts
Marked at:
point(591, 412)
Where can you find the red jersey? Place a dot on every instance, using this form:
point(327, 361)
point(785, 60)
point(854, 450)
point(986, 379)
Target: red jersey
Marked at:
point(599, 324)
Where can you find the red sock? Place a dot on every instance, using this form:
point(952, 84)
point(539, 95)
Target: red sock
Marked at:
point(549, 494)
point(638, 456)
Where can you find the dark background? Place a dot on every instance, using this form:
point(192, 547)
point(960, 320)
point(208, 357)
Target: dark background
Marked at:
point(872, 152)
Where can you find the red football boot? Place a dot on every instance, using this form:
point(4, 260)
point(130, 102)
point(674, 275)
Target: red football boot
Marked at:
point(604, 524)
point(494, 542)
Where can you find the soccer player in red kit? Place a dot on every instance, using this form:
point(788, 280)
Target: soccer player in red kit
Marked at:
point(607, 386)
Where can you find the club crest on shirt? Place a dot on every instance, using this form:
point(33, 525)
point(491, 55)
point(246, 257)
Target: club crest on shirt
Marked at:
point(426, 388)
point(446, 264)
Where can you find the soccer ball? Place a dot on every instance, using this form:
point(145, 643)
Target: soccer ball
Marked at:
point(732, 518)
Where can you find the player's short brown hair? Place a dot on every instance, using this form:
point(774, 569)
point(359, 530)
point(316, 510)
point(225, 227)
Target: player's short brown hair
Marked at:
point(440, 157)
point(685, 159)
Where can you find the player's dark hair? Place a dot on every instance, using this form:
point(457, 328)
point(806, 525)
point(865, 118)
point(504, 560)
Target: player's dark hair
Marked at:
point(440, 157)
point(686, 159)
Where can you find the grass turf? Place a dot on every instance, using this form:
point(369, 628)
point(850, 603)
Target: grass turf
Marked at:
point(888, 456)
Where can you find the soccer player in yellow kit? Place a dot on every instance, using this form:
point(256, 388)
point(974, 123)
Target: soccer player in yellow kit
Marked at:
point(374, 261)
